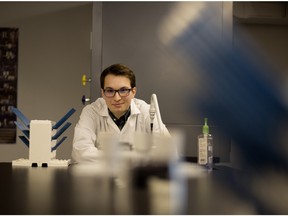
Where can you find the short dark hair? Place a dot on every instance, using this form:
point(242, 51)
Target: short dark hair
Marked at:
point(118, 70)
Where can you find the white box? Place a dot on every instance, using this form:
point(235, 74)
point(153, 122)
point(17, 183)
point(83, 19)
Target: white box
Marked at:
point(40, 141)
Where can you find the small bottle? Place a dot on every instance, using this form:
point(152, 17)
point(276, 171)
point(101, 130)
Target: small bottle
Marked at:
point(205, 147)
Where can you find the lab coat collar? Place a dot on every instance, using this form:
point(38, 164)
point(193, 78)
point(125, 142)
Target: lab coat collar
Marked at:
point(134, 109)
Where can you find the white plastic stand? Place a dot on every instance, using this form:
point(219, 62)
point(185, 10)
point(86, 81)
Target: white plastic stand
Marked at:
point(40, 147)
point(51, 163)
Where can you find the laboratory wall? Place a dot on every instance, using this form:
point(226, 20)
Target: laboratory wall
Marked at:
point(54, 52)
point(133, 33)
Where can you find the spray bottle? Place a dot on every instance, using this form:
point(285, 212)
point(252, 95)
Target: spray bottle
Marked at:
point(205, 147)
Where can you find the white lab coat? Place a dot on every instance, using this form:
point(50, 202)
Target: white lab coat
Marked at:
point(95, 119)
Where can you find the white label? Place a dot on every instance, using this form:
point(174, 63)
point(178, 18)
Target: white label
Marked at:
point(202, 151)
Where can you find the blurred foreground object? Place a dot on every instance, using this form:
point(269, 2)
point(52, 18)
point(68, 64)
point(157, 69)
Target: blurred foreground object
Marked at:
point(235, 87)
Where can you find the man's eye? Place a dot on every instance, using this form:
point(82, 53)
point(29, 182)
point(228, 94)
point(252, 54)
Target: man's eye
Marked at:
point(110, 91)
point(123, 90)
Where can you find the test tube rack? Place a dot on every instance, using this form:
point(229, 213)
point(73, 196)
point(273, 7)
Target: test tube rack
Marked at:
point(40, 136)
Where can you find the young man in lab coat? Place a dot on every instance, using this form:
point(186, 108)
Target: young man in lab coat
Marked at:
point(117, 112)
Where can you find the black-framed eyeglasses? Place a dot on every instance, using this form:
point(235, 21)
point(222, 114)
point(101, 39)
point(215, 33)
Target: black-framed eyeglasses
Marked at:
point(123, 92)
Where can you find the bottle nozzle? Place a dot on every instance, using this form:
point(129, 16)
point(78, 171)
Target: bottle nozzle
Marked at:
point(205, 126)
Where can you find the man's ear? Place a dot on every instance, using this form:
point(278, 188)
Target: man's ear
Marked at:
point(102, 92)
point(134, 90)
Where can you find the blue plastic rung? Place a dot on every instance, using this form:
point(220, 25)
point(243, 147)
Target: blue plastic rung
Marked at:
point(22, 128)
point(59, 143)
point(24, 140)
point(21, 116)
point(64, 118)
point(61, 131)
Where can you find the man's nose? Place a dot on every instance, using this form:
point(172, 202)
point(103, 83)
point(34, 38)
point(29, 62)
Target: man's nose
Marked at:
point(117, 96)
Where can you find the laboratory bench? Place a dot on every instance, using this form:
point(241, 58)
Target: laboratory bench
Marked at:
point(61, 190)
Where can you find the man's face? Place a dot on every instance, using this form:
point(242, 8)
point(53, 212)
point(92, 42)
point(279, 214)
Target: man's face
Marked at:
point(118, 105)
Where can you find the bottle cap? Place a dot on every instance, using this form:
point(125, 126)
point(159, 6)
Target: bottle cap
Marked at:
point(205, 127)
